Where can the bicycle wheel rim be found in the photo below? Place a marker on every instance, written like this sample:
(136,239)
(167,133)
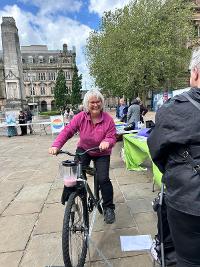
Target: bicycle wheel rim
(75,231)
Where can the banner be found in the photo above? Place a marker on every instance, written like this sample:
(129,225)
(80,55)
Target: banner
(57,124)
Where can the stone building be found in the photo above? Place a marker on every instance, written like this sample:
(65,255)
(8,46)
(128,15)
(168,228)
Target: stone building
(40,68)
(28,73)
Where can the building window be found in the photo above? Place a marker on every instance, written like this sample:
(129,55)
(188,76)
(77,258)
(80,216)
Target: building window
(66,60)
(67,75)
(52,90)
(30,59)
(51,59)
(41,59)
(42,76)
(42,90)
(32,91)
(52,76)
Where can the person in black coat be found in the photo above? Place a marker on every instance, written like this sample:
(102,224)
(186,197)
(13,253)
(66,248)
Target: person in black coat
(22,120)
(29,117)
(177,131)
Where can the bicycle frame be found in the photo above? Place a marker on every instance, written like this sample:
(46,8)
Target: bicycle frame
(82,178)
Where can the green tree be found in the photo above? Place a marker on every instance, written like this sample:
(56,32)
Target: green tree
(76,88)
(60,91)
(141,47)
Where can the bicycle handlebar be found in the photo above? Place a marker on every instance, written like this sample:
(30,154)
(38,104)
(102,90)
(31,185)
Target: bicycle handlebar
(78,154)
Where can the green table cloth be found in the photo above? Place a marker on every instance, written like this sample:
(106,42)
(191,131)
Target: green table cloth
(136,152)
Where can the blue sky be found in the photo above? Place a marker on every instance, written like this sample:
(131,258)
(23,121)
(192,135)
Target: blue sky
(54,22)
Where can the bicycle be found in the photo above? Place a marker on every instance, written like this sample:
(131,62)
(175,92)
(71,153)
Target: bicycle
(80,203)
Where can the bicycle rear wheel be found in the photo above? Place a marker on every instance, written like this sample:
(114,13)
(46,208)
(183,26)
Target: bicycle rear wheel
(75,231)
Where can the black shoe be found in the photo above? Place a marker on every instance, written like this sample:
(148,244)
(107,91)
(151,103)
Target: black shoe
(109,215)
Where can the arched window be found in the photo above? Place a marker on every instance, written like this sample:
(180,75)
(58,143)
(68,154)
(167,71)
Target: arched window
(51,59)
(41,59)
(30,59)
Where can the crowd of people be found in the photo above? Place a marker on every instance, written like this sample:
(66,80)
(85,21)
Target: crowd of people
(132,114)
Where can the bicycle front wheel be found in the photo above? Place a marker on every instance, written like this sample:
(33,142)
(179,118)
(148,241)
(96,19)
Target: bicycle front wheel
(75,231)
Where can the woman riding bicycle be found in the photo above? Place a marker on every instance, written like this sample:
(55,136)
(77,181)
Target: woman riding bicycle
(96,129)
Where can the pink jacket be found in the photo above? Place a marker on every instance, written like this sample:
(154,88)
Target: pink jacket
(90,135)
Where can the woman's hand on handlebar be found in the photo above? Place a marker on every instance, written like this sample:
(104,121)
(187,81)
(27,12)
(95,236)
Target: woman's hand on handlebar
(104,145)
(53,150)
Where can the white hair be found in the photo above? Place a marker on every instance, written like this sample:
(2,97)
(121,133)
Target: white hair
(92,92)
(195,60)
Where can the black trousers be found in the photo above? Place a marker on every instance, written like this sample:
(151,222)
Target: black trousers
(102,165)
(185,231)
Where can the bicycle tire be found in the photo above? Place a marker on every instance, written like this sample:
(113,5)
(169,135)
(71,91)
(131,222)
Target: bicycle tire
(72,228)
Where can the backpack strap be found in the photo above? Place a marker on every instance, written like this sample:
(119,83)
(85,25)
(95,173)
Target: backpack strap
(194,102)
(184,153)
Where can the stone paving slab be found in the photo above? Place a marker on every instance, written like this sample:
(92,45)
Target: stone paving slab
(124,219)
(109,243)
(138,205)
(6,199)
(43,251)
(33,193)
(136,177)
(139,190)
(50,220)
(136,261)
(17,208)
(15,231)
(11,259)
(146,223)
(55,195)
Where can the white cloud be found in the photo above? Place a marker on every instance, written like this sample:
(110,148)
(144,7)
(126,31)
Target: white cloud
(99,7)
(52,31)
(53,6)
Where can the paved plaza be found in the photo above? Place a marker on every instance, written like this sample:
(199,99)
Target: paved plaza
(31,213)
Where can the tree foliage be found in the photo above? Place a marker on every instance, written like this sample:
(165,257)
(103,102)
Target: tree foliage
(76,88)
(60,91)
(140,47)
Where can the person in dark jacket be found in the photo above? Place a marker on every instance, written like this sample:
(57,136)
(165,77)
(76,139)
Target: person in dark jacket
(143,109)
(122,110)
(22,120)
(177,131)
(29,120)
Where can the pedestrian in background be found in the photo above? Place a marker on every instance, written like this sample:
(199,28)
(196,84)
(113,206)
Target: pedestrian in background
(29,117)
(11,122)
(133,116)
(22,120)
(143,109)
(121,110)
